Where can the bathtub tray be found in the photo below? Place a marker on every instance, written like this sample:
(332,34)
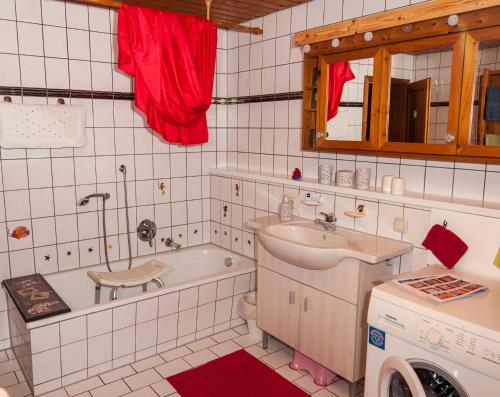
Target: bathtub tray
(34,297)
(130,278)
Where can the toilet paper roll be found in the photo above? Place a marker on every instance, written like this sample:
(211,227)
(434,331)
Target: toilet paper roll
(387,183)
(398,186)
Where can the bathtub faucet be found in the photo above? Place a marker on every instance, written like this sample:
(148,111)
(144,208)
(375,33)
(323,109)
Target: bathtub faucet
(169,242)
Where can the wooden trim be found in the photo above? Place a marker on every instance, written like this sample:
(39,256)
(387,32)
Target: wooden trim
(401,16)
(469,75)
(457,43)
(220,24)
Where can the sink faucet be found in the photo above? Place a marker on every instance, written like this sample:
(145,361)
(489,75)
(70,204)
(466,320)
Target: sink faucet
(329,222)
(169,242)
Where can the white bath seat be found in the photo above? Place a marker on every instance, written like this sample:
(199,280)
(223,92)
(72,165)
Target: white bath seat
(130,278)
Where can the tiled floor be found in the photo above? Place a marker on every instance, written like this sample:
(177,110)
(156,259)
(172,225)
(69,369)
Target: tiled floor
(146,378)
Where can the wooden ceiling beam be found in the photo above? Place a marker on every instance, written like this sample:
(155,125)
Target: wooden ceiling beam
(397,17)
(226,23)
(199,9)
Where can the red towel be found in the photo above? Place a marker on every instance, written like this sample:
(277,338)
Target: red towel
(172,59)
(339,74)
(445,245)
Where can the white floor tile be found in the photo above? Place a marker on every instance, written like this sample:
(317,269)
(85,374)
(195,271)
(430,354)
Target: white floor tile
(84,386)
(256,351)
(115,389)
(199,358)
(288,373)
(147,363)
(340,388)
(57,393)
(201,344)
(163,388)
(19,390)
(246,340)
(116,374)
(242,329)
(175,353)
(173,367)
(8,379)
(307,383)
(142,379)
(277,359)
(145,392)
(225,348)
(324,393)
(225,335)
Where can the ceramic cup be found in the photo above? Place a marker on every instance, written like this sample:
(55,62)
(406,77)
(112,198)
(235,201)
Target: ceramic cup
(363,178)
(387,183)
(325,174)
(345,178)
(398,186)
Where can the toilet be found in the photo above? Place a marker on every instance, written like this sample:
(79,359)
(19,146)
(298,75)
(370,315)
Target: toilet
(247,309)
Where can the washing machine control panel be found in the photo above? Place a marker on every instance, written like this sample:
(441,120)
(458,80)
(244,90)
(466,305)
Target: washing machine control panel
(461,346)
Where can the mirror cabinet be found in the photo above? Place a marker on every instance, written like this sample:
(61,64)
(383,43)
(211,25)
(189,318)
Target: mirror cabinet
(408,94)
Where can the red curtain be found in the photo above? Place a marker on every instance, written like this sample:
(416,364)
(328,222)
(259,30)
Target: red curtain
(339,74)
(172,59)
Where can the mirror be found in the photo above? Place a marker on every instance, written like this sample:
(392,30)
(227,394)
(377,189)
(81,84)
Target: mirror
(420,96)
(485,121)
(348,104)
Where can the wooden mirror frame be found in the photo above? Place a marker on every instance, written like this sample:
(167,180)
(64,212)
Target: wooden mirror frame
(457,43)
(473,39)
(321,120)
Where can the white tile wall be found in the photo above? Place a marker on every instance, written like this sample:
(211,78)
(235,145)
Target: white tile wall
(275,145)
(54,44)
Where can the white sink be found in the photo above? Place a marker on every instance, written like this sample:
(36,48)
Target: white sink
(307,244)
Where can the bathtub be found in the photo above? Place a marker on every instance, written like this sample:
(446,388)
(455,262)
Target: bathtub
(199,298)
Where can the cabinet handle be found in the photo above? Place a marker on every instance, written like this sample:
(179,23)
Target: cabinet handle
(291,297)
(305,304)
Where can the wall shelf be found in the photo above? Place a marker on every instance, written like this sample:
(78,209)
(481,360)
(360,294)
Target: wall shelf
(411,198)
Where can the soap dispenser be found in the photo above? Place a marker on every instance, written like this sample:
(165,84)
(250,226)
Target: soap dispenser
(286,209)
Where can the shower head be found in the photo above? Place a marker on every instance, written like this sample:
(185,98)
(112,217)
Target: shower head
(84,201)
(123,169)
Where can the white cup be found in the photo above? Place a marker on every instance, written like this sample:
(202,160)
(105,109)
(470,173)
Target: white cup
(363,178)
(325,174)
(398,186)
(387,183)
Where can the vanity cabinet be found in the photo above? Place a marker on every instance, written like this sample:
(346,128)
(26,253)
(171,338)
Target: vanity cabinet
(281,313)
(321,313)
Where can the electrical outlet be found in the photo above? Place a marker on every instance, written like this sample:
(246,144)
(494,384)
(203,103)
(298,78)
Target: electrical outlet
(400,224)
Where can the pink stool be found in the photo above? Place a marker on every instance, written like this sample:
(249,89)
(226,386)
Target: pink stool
(322,376)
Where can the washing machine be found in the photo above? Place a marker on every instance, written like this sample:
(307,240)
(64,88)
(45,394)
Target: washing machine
(420,348)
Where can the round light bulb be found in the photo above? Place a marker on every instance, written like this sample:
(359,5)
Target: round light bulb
(335,43)
(407,28)
(306,48)
(453,20)
(368,36)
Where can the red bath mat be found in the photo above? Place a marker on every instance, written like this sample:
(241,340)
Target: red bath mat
(238,374)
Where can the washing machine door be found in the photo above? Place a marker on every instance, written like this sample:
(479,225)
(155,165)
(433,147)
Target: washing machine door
(401,378)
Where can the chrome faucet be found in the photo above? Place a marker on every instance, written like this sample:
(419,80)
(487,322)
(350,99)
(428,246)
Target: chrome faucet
(169,242)
(329,222)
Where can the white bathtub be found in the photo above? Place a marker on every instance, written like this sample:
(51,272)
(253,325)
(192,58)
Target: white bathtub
(199,299)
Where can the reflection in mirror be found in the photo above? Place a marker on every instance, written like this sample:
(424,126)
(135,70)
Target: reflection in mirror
(419,96)
(485,123)
(349,100)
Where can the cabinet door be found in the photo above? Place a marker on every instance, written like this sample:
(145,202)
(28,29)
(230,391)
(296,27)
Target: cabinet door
(328,331)
(278,306)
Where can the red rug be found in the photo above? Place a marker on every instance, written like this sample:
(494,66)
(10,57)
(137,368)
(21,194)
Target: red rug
(238,374)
